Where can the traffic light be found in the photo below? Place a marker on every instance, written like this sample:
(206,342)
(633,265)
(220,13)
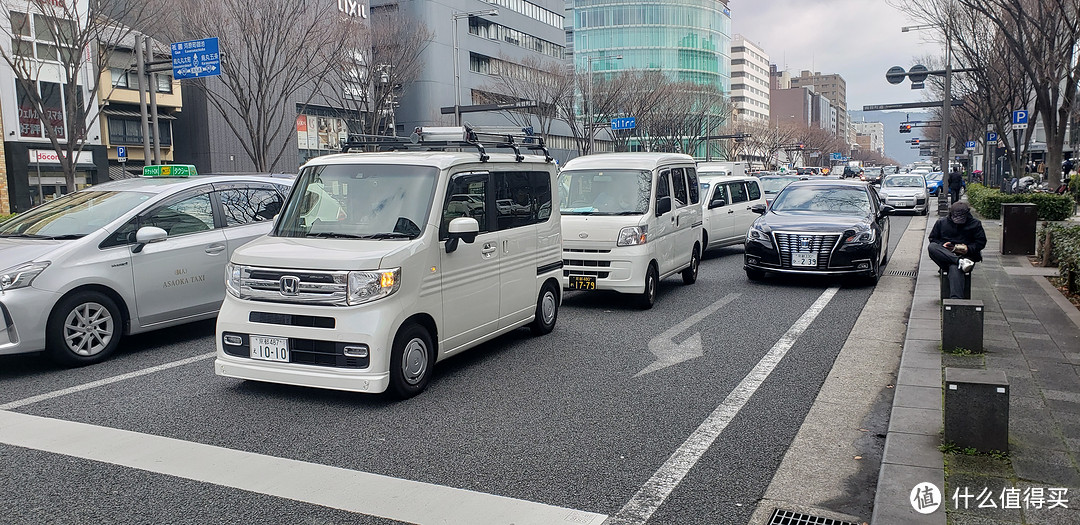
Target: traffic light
(905,128)
(915,142)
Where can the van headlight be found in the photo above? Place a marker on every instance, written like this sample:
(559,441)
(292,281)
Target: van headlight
(633,235)
(365,287)
(21,276)
(233,275)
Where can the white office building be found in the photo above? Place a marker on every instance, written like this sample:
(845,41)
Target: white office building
(749,80)
(874,133)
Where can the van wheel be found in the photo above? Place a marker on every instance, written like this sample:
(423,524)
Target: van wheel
(755,275)
(547,310)
(652,279)
(411,361)
(689,275)
(83,329)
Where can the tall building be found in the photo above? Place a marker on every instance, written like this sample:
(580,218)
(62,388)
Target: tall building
(792,106)
(689,40)
(832,87)
(870,136)
(750,80)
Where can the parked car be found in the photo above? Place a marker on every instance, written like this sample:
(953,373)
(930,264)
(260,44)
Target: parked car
(820,227)
(934,183)
(771,185)
(371,302)
(726,209)
(905,192)
(630,220)
(125,257)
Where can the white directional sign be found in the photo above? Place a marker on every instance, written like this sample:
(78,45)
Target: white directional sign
(1020,119)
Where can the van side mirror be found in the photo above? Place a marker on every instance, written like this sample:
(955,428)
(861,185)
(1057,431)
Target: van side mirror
(663,205)
(461,228)
(147,235)
(758,209)
(717,202)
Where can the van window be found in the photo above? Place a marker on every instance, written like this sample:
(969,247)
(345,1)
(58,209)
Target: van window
(692,184)
(719,193)
(604,192)
(522,198)
(467,197)
(662,186)
(737,191)
(678,184)
(753,190)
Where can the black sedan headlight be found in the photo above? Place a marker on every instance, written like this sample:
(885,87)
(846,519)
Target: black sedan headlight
(759,233)
(863,235)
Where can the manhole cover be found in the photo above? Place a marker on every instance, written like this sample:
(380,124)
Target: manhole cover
(786,517)
(902,273)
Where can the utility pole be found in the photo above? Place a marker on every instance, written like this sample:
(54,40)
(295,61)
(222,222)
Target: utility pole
(149,57)
(140,61)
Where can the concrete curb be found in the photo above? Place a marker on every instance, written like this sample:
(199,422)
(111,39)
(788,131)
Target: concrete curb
(911,445)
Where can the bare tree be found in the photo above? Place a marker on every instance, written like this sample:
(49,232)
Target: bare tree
(54,45)
(643,91)
(379,64)
(767,141)
(273,51)
(547,83)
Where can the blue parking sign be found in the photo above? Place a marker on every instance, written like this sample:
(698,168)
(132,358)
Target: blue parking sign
(121,153)
(991,137)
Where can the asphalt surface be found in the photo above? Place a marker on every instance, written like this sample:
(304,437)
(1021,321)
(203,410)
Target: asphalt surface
(558,419)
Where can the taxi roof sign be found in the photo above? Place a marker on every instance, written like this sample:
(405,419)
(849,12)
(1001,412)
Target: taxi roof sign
(170,170)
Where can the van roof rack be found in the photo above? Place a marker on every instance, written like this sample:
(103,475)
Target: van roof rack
(446,137)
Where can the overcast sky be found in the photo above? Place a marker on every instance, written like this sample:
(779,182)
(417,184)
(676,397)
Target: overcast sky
(859,39)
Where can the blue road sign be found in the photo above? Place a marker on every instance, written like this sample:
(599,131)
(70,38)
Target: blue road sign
(970,144)
(121,153)
(836,156)
(623,123)
(196,58)
(1020,116)
(991,137)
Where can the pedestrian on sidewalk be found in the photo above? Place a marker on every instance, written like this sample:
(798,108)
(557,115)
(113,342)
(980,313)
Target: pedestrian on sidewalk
(956,181)
(956,243)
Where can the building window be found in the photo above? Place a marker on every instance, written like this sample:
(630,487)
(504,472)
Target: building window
(127,79)
(129,132)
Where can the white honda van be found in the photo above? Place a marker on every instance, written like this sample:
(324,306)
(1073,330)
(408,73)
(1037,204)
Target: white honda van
(630,220)
(407,273)
(726,205)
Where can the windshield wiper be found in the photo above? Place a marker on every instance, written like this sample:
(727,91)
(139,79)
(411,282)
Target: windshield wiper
(387,235)
(628,213)
(336,235)
(26,235)
(65,237)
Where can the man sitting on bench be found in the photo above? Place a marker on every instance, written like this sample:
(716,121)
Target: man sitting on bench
(956,243)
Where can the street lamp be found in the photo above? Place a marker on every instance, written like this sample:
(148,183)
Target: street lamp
(457,78)
(946,106)
(589,113)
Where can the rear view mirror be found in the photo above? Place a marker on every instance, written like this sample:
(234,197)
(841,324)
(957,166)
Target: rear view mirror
(461,228)
(663,205)
(717,202)
(758,209)
(147,235)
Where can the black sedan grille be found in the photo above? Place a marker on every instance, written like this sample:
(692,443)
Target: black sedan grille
(822,245)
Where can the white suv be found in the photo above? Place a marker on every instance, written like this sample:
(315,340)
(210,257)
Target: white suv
(409,272)
(726,205)
(630,219)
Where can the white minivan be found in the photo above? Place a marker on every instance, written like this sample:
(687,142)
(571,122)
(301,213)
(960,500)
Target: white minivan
(630,220)
(727,207)
(408,274)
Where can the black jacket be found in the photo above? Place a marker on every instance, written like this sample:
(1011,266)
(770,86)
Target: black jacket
(956,180)
(970,233)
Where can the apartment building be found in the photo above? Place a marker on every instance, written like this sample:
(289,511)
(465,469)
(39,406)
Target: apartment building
(750,80)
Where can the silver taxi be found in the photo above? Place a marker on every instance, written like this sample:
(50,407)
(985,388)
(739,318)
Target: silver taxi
(124,257)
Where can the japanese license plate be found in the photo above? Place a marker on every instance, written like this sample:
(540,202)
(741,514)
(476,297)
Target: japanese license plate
(266,348)
(803,259)
(582,282)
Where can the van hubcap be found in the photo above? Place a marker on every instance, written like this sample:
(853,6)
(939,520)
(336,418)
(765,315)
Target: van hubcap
(88,329)
(547,308)
(414,361)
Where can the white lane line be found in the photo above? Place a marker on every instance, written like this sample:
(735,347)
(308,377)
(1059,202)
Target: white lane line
(349,490)
(655,491)
(102,382)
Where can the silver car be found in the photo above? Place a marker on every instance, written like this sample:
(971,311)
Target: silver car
(906,191)
(79,272)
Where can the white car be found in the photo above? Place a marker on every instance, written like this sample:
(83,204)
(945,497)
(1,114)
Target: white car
(406,277)
(630,220)
(124,257)
(726,208)
(906,191)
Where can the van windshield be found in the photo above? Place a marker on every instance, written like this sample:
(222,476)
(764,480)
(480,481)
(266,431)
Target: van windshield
(604,192)
(359,201)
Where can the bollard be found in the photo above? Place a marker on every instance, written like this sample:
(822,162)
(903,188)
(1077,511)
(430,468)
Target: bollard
(943,278)
(961,325)
(977,409)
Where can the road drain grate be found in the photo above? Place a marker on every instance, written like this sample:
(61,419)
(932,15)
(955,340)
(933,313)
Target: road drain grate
(786,517)
(903,273)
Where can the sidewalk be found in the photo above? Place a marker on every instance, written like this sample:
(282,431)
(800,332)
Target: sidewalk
(1032,334)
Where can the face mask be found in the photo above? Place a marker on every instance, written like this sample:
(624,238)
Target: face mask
(958,217)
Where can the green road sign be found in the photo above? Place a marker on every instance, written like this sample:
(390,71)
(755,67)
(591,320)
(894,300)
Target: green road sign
(171,170)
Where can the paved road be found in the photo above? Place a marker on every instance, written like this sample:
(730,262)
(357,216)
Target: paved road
(563,420)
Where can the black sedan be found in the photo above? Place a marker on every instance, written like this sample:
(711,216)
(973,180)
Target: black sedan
(820,227)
